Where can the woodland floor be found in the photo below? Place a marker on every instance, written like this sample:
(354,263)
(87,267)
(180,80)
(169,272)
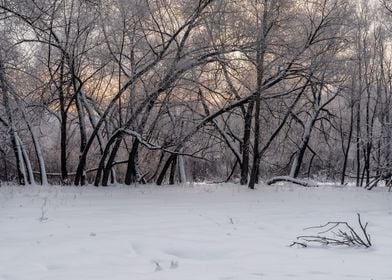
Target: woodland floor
(198,232)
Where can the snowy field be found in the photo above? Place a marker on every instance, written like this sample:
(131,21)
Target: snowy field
(184,233)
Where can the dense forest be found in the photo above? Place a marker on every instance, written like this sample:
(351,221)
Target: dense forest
(167,91)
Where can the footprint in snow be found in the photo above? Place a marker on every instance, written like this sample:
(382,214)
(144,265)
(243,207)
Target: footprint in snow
(258,274)
(195,254)
(158,266)
(137,248)
(173,264)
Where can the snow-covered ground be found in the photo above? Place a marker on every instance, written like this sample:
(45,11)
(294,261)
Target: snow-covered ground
(183,233)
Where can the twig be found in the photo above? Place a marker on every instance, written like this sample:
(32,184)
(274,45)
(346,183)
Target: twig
(345,235)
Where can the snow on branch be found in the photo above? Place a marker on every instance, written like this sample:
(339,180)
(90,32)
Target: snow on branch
(278,179)
(151,146)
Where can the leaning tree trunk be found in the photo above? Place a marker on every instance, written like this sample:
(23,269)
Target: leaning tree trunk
(149,104)
(12,131)
(27,163)
(165,168)
(101,166)
(133,158)
(93,122)
(109,164)
(173,171)
(298,159)
(131,174)
(37,146)
(40,158)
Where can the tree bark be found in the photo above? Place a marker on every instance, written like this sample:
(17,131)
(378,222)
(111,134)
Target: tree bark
(246,143)
(13,134)
(131,173)
(347,150)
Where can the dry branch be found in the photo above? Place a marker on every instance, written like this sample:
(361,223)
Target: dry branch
(291,180)
(337,233)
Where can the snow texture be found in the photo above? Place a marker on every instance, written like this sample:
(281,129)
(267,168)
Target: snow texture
(198,232)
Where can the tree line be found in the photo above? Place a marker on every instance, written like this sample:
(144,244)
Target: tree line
(169,91)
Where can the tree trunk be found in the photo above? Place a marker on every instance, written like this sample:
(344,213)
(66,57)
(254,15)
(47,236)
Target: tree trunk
(181,167)
(105,153)
(358,143)
(27,163)
(246,144)
(165,168)
(131,174)
(13,135)
(173,171)
(63,126)
(82,126)
(298,158)
(109,164)
(347,150)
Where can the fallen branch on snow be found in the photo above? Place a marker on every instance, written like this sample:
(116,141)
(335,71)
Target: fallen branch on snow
(340,234)
(291,180)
